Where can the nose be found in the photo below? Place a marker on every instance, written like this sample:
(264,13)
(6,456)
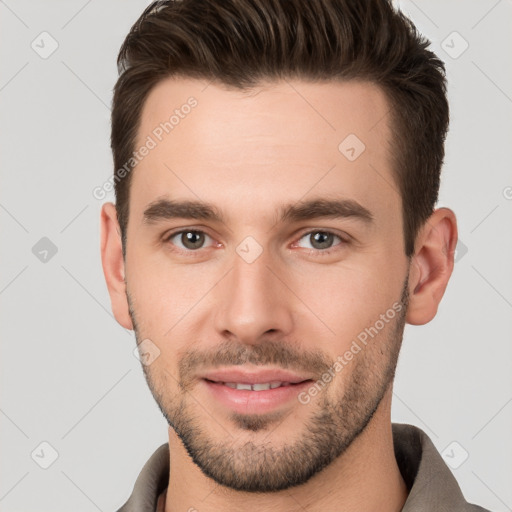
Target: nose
(253,300)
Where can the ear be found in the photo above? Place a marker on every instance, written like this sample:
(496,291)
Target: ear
(431,266)
(113,264)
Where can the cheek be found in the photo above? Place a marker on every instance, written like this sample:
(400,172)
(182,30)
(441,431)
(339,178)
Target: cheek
(348,299)
(164,293)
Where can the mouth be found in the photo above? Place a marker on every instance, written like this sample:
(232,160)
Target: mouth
(260,386)
(268,378)
(257,393)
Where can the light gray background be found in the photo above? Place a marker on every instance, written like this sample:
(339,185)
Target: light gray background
(68,373)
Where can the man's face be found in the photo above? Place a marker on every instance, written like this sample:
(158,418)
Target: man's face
(254,291)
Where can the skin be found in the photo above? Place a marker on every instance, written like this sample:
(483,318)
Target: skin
(294,306)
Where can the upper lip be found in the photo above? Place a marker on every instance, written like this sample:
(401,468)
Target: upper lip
(240,375)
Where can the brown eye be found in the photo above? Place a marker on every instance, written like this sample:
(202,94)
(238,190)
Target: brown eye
(188,240)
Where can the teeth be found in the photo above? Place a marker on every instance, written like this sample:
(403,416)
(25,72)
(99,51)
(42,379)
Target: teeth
(243,386)
(260,387)
(255,387)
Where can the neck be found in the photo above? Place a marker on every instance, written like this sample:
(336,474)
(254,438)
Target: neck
(365,477)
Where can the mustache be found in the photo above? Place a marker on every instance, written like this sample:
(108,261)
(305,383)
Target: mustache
(264,353)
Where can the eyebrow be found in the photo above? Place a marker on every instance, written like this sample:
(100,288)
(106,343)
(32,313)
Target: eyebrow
(165,209)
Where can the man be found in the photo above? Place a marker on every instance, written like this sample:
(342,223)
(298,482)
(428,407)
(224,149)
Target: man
(276,168)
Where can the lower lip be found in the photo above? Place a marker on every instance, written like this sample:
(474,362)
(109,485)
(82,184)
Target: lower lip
(244,401)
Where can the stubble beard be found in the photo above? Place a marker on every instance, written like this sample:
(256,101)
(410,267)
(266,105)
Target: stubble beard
(261,467)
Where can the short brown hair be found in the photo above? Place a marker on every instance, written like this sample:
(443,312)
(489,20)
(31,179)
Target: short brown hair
(241,43)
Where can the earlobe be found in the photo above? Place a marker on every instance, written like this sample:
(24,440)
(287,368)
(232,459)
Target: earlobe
(431,266)
(113,264)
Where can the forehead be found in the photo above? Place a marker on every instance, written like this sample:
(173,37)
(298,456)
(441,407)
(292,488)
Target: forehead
(280,141)
(324,109)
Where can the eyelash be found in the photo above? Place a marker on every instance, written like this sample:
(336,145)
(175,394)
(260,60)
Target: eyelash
(314,252)
(324,252)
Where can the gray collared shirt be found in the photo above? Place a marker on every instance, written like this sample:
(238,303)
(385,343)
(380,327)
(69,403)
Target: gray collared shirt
(432,487)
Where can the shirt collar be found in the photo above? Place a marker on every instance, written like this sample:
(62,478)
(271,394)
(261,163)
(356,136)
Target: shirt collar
(431,485)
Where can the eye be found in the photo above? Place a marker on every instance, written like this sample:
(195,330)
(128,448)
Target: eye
(322,241)
(188,240)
